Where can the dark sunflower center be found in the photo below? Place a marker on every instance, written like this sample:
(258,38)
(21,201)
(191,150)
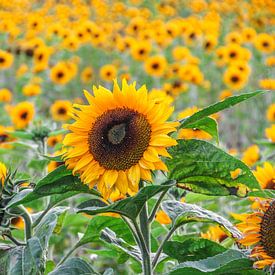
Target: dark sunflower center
(265,44)
(24,115)
(267,230)
(234,78)
(62,111)
(270,184)
(155,66)
(2,60)
(60,74)
(3,138)
(119,138)
(232,54)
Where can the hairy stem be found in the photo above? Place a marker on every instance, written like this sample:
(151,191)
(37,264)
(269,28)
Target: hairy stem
(156,207)
(28,222)
(169,234)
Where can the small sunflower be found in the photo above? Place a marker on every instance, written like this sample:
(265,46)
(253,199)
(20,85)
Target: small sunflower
(6,60)
(162,217)
(22,114)
(60,74)
(87,74)
(31,89)
(264,43)
(155,65)
(60,110)
(54,140)
(118,138)
(259,231)
(108,72)
(270,133)
(5,95)
(3,172)
(5,137)
(266,176)
(270,113)
(251,155)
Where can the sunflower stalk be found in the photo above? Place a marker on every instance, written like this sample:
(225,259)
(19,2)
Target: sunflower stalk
(28,222)
(156,206)
(145,230)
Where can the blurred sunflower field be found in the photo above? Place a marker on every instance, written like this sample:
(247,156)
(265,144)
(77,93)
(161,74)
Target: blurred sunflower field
(111,158)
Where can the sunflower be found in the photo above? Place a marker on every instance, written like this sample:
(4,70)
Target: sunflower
(5,95)
(6,59)
(259,231)
(225,94)
(251,155)
(270,113)
(3,172)
(60,74)
(5,137)
(140,50)
(31,89)
(266,175)
(155,65)
(180,53)
(264,43)
(248,34)
(54,140)
(234,78)
(270,133)
(117,139)
(108,72)
(22,114)
(87,74)
(60,110)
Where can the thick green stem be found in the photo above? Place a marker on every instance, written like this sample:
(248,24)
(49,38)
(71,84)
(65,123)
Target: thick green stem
(15,241)
(28,222)
(146,259)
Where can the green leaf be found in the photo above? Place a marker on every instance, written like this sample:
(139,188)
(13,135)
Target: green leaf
(219,106)
(182,213)
(265,193)
(98,223)
(229,262)
(38,164)
(203,168)
(110,237)
(54,158)
(50,265)
(73,266)
(192,249)
(22,135)
(195,197)
(60,183)
(129,207)
(58,132)
(206,124)
(47,225)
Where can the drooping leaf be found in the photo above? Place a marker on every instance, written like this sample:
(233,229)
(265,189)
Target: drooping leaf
(206,124)
(74,266)
(110,237)
(182,213)
(192,249)
(219,106)
(203,168)
(229,262)
(47,225)
(129,207)
(57,183)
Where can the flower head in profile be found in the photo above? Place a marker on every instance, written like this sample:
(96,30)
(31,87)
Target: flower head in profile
(118,138)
